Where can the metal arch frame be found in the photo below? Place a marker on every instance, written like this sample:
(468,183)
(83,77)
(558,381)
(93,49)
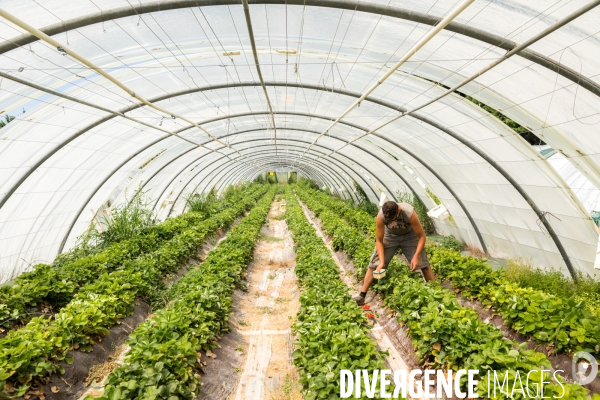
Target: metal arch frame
(312,87)
(334,181)
(352,5)
(344,164)
(304,168)
(413,155)
(251,148)
(322,177)
(337,179)
(290,129)
(237,177)
(187,151)
(358,146)
(332,171)
(540,214)
(335,173)
(338,184)
(183,170)
(223,180)
(341,165)
(115,170)
(241,176)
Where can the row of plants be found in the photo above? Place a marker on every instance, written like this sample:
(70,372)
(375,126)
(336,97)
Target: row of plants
(564,324)
(586,289)
(38,348)
(561,322)
(55,285)
(444,334)
(332,332)
(164,359)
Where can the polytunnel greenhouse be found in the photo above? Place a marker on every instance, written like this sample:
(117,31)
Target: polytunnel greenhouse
(299,199)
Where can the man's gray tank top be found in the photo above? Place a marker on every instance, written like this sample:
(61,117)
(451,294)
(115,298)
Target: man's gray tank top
(401,225)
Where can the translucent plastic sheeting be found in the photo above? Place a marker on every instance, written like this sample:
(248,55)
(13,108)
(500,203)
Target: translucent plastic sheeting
(186,60)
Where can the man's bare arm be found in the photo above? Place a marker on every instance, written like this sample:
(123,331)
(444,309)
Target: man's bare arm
(380,229)
(418,228)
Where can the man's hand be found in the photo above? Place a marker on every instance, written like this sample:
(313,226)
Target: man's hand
(380,267)
(414,263)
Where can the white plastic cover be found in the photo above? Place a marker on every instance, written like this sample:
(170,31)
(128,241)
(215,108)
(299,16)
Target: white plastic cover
(63,161)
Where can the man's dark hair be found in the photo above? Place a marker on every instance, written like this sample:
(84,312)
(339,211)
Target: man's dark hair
(389,210)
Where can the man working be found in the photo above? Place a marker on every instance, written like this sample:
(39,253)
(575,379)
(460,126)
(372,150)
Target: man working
(398,227)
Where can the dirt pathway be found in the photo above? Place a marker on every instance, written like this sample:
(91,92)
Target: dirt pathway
(254,361)
(386,331)
(269,310)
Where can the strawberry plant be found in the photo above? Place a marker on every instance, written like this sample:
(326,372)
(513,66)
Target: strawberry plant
(563,323)
(445,335)
(332,332)
(38,348)
(56,285)
(164,359)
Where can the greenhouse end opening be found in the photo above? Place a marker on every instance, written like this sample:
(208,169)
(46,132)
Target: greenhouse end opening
(299,199)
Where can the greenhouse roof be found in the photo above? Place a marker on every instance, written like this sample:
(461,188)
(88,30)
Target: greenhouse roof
(176,96)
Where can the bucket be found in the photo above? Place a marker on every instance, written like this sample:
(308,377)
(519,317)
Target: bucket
(379,275)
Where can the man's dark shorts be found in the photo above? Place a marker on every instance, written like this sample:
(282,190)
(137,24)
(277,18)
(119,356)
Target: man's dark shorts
(407,243)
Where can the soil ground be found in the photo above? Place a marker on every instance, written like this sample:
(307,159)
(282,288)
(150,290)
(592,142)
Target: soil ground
(254,361)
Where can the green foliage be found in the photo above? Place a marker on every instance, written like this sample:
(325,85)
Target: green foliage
(450,242)
(420,209)
(587,289)
(332,331)
(369,208)
(521,130)
(293,178)
(308,183)
(445,335)
(7,120)
(562,322)
(38,348)
(271,179)
(202,202)
(433,196)
(125,222)
(363,200)
(260,179)
(164,361)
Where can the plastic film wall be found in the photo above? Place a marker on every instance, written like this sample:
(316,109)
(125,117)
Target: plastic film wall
(81,141)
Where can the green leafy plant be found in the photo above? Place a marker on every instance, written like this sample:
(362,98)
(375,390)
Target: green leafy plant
(38,348)
(293,178)
(450,242)
(586,289)
(433,196)
(202,202)
(562,322)
(164,359)
(6,121)
(433,314)
(332,331)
